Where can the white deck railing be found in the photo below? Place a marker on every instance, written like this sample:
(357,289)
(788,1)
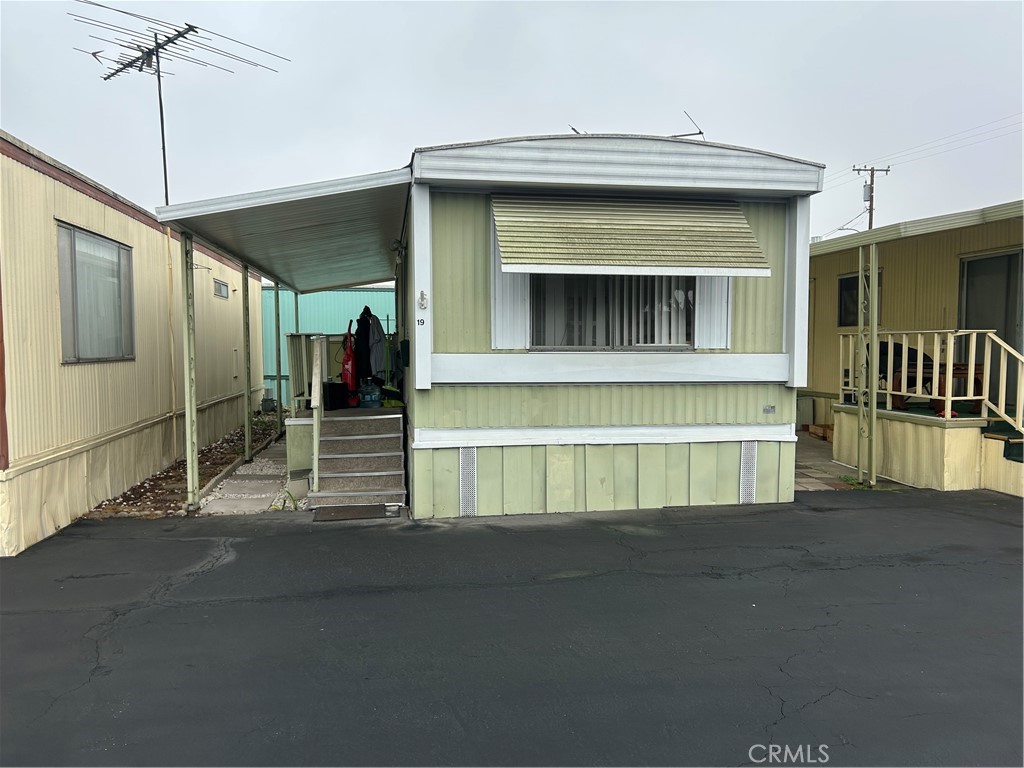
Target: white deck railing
(317,406)
(947,367)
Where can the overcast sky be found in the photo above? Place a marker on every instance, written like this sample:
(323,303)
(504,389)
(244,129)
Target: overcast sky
(839,83)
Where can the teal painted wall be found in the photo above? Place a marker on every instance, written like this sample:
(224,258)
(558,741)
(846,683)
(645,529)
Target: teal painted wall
(323,312)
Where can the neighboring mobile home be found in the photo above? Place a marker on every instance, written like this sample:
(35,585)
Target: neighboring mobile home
(91,375)
(593,321)
(949,287)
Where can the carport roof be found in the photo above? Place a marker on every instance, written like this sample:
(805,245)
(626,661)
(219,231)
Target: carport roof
(311,237)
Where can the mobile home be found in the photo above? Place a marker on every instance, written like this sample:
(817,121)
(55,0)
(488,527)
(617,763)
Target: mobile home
(591,321)
(91,372)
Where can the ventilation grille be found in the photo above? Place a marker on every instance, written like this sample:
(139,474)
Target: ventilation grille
(748,471)
(467,482)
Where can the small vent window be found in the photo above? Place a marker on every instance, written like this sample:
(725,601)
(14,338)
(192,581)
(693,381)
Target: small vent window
(220,289)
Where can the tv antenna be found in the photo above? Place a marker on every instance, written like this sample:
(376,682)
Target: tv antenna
(698,132)
(141,43)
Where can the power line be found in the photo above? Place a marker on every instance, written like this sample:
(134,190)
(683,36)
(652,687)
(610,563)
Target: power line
(933,141)
(832,187)
(844,225)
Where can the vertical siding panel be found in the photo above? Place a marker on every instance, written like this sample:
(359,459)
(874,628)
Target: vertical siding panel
(446,482)
(787,469)
(538,476)
(517,479)
(600,478)
(677,475)
(625,463)
(728,491)
(561,478)
(652,476)
(703,473)
(422,484)
(489,486)
(767,473)
(580,475)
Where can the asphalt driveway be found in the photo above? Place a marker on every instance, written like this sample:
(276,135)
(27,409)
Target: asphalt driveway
(882,626)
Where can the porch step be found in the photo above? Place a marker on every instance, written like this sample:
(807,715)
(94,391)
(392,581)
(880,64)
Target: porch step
(325,499)
(389,442)
(364,482)
(348,426)
(361,462)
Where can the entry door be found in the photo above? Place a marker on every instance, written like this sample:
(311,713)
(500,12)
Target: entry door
(990,297)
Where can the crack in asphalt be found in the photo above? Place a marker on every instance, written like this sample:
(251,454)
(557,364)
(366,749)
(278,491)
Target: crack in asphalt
(223,553)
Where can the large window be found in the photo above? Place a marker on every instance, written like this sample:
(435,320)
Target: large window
(611,311)
(95,297)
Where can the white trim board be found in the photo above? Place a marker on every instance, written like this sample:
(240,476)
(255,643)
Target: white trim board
(422,283)
(427,438)
(633,269)
(607,368)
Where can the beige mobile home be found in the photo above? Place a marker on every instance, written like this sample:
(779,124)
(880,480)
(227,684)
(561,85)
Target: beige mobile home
(949,370)
(91,370)
(593,321)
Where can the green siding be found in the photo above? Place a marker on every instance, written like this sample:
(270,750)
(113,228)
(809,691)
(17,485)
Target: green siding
(577,478)
(603,405)
(460,247)
(758,303)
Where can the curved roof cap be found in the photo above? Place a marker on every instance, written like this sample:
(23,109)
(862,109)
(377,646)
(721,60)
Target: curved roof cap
(587,136)
(616,162)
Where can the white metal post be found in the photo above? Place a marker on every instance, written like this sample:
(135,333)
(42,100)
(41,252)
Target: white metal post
(277,349)
(247,399)
(188,319)
(873,362)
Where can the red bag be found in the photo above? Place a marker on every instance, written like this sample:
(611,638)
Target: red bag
(348,370)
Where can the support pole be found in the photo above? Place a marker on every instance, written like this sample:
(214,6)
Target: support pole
(277,349)
(292,373)
(873,362)
(188,319)
(246,341)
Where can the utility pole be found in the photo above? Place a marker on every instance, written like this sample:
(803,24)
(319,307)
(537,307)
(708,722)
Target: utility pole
(869,190)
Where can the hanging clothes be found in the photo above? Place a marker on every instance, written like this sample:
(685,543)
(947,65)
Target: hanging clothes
(377,350)
(363,368)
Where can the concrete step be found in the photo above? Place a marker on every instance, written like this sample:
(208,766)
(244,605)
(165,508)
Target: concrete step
(365,482)
(362,462)
(340,446)
(360,425)
(323,499)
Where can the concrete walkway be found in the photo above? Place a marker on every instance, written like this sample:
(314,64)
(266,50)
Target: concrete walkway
(254,487)
(884,627)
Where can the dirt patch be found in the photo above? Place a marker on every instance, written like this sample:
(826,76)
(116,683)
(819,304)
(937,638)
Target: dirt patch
(163,494)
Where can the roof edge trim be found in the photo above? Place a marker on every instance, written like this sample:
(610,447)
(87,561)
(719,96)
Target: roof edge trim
(916,227)
(284,195)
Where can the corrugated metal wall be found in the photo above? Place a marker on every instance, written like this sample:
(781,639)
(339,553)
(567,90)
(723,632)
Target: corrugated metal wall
(322,312)
(603,405)
(56,409)
(571,478)
(920,279)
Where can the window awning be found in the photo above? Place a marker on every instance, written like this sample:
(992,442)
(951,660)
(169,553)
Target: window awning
(571,235)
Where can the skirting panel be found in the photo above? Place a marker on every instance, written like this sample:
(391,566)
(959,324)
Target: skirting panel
(522,479)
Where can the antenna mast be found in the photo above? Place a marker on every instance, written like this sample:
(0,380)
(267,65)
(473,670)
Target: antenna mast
(184,43)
